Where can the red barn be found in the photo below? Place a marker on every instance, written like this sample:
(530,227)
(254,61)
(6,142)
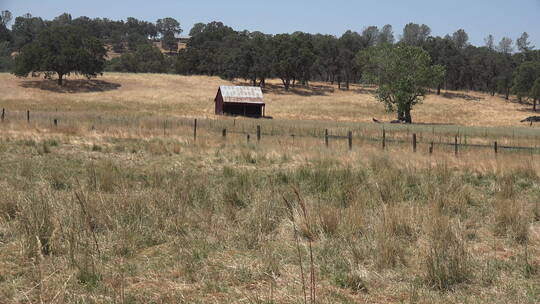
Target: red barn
(244,101)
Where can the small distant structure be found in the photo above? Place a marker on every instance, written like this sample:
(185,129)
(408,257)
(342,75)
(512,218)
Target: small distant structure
(237,100)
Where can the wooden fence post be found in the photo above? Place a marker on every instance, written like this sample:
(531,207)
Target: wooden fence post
(431,148)
(414,142)
(350,140)
(195,130)
(495,147)
(383,138)
(3,113)
(28,115)
(258,133)
(55,121)
(455,145)
(247,138)
(224,133)
(326,137)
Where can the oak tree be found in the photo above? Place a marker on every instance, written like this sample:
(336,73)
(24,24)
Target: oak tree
(61,50)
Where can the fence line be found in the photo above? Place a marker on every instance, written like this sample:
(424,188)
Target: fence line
(251,128)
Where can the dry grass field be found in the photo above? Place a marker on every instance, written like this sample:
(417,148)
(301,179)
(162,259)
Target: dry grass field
(192,96)
(119,203)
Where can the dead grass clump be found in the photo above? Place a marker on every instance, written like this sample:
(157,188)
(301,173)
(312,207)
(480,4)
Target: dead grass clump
(37,222)
(157,147)
(8,202)
(454,198)
(389,250)
(68,129)
(511,219)
(353,281)
(103,176)
(398,222)
(507,186)
(390,187)
(447,260)
(354,221)
(536,210)
(259,220)
(329,219)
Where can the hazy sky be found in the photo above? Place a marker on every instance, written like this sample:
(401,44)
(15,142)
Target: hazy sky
(478,17)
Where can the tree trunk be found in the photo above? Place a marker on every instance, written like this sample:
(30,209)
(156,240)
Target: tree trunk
(408,118)
(439,89)
(534,105)
(401,116)
(286,83)
(262,84)
(347,83)
(254,82)
(507,94)
(60,80)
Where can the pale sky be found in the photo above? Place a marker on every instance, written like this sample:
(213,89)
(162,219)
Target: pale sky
(478,17)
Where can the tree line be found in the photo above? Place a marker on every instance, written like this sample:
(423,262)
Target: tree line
(214,49)
(132,38)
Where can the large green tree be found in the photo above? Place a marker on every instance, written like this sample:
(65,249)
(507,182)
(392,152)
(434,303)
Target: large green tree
(169,28)
(350,43)
(26,29)
(523,44)
(403,75)
(415,34)
(524,80)
(285,59)
(460,38)
(61,50)
(326,49)
(535,90)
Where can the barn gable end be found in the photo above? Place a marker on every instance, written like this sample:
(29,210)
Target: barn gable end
(237,100)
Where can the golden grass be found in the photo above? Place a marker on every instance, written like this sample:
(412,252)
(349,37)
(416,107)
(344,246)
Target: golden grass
(192,96)
(137,212)
(177,221)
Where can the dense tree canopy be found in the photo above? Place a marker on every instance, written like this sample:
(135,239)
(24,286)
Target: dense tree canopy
(526,76)
(61,50)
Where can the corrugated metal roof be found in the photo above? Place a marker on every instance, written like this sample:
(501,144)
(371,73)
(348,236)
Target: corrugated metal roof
(242,94)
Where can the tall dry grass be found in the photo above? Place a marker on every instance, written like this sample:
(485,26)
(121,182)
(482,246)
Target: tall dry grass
(110,208)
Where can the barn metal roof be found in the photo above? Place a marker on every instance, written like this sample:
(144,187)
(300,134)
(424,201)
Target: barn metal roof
(242,94)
